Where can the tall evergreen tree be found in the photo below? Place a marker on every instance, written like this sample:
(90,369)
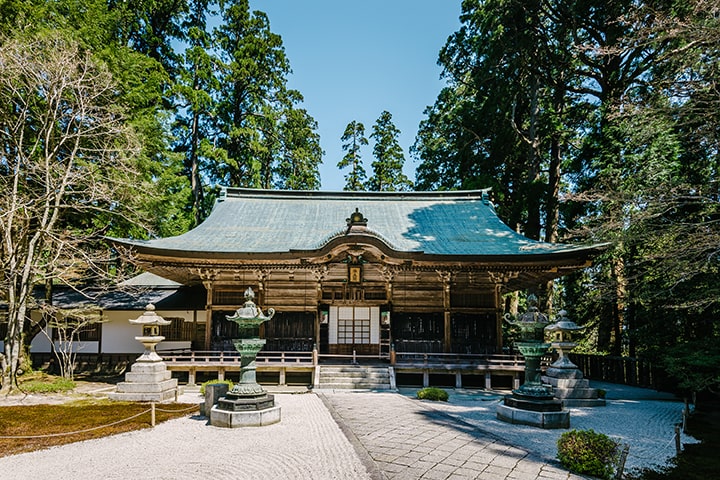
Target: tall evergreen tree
(389,158)
(353,139)
(300,154)
(196,92)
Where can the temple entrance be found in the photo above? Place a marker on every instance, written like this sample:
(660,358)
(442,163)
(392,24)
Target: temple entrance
(354,328)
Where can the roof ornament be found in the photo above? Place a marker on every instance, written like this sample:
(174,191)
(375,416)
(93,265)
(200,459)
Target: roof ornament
(486,196)
(356,218)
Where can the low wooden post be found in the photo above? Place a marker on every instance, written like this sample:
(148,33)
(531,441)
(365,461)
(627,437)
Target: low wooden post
(152,414)
(621,462)
(678,446)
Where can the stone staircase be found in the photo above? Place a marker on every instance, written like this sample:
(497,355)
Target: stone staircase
(354,377)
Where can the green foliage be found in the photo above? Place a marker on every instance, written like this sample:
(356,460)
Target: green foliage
(588,452)
(48,385)
(432,393)
(694,365)
(389,158)
(353,139)
(229,383)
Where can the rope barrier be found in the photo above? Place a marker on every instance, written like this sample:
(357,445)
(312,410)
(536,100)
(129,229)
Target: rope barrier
(50,435)
(194,407)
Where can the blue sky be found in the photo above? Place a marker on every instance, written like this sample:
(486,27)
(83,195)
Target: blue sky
(353,59)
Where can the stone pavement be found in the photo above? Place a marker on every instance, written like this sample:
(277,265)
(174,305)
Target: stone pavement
(400,438)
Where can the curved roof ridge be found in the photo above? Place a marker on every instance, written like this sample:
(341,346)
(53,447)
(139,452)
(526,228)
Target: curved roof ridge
(343,232)
(241,192)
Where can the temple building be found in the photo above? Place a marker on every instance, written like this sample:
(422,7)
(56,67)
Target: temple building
(356,272)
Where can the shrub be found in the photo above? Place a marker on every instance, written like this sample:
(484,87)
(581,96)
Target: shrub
(432,393)
(588,452)
(230,384)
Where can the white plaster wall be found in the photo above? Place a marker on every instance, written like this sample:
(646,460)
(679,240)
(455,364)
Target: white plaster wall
(374,324)
(118,334)
(332,325)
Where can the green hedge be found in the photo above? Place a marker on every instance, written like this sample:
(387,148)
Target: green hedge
(230,384)
(588,452)
(432,393)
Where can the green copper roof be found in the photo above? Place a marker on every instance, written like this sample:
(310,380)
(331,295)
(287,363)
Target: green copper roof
(273,221)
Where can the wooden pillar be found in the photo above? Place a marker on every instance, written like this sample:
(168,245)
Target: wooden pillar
(447,337)
(447,340)
(208,314)
(499,311)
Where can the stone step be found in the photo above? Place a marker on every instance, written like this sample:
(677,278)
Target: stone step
(354,374)
(347,369)
(354,377)
(354,386)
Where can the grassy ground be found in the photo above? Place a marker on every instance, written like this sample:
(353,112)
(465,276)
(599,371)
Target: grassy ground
(83,416)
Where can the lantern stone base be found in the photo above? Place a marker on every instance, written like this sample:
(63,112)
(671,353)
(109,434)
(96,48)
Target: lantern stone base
(146,382)
(242,410)
(514,415)
(236,419)
(574,392)
(543,412)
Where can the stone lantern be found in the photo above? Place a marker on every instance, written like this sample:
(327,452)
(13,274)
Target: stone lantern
(565,377)
(533,403)
(148,380)
(247,404)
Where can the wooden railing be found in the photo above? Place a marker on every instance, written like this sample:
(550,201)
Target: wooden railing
(622,370)
(460,360)
(230,358)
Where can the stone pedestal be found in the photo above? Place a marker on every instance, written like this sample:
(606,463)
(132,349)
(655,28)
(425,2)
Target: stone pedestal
(575,392)
(147,381)
(568,382)
(253,418)
(524,416)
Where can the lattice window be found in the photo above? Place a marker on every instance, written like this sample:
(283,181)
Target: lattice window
(354,326)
